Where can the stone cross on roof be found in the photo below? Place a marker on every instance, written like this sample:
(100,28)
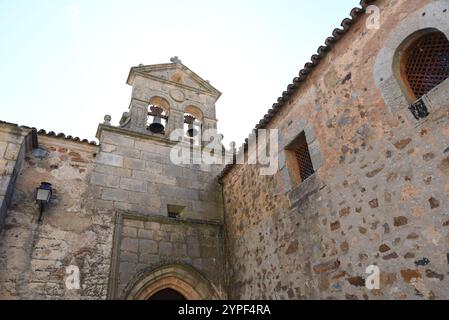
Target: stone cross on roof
(175,59)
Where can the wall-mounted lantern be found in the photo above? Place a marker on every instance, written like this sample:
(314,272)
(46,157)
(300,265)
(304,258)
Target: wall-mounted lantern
(43,196)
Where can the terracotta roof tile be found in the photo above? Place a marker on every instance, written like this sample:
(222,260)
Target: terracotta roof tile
(52,134)
(322,51)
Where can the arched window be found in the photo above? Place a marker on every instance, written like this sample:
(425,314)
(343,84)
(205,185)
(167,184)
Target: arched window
(158,115)
(425,63)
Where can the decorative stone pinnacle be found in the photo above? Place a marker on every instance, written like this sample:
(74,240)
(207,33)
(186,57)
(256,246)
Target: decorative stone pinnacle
(175,59)
(107,119)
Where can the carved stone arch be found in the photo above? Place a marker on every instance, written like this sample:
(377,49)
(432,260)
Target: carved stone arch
(432,17)
(195,111)
(184,279)
(193,104)
(161,103)
(167,103)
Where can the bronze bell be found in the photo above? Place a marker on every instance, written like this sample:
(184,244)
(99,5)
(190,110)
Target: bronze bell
(190,120)
(156,126)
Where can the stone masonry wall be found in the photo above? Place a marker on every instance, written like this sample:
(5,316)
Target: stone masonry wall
(380,196)
(150,242)
(134,177)
(14,143)
(34,257)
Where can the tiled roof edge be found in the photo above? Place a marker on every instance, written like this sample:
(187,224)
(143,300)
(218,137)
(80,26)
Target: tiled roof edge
(303,75)
(53,134)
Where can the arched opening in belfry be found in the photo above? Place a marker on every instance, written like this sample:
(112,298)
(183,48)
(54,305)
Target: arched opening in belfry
(193,124)
(158,112)
(168,294)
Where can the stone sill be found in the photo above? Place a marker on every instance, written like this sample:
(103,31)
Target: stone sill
(167,220)
(304,190)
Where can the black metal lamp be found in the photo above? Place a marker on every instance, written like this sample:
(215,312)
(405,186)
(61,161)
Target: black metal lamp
(43,196)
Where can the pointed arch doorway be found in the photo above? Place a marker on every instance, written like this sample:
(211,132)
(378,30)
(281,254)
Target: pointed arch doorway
(174,282)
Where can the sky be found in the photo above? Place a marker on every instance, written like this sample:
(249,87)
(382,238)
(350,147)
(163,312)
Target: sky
(64,63)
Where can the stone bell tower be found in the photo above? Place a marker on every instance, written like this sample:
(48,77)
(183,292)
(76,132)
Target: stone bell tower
(168,216)
(176,92)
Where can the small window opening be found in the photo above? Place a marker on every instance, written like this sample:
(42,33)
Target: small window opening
(299,160)
(174,211)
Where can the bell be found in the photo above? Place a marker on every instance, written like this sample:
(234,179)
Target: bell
(157,126)
(192,132)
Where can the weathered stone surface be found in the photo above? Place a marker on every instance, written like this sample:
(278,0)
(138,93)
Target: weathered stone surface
(110,159)
(133,185)
(327,267)
(409,275)
(357,281)
(136,164)
(148,247)
(105,180)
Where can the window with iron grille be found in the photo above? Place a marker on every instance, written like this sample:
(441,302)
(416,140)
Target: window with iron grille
(425,63)
(175,211)
(299,158)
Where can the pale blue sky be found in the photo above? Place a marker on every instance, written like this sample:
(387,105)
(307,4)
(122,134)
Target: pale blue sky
(64,63)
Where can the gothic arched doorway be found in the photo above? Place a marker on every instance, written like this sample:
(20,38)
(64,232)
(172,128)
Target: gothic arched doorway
(174,281)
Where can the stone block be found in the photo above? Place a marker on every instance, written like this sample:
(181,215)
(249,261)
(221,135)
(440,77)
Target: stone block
(130,245)
(165,248)
(145,234)
(135,164)
(104,180)
(172,170)
(129,257)
(128,153)
(133,223)
(148,259)
(133,185)
(315,155)
(153,157)
(108,148)
(152,225)
(6,167)
(118,140)
(179,249)
(129,232)
(110,159)
(12,151)
(208,252)
(127,270)
(4,183)
(193,249)
(180,193)
(310,134)
(114,195)
(3,146)
(144,199)
(114,171)
(148,247)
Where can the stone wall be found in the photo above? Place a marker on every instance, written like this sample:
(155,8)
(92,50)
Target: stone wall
(14,143)
(148,242)
(33,256)
(379,196)
(134,175)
